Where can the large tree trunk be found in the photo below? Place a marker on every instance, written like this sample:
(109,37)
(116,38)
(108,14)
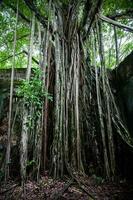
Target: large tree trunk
(67,33)
(70,132)
(67,134)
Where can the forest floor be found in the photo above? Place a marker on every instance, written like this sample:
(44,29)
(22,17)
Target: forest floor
(69,189)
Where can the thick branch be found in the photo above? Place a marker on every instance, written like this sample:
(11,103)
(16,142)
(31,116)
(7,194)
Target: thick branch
(110,21)
(127,13)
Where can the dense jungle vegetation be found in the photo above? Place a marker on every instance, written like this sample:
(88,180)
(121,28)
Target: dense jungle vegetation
(66,93)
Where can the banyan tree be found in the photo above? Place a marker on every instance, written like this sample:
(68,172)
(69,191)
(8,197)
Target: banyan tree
(68,117)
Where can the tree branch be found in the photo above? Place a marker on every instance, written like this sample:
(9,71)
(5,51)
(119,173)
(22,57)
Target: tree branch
(17,54)
(127,13)
(36,61)
(33,8)
(19,13)
(113,22)
(21,37)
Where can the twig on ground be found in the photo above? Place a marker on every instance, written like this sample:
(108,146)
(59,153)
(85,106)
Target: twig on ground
(58,194)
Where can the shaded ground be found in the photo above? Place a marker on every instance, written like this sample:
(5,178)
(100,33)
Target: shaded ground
(49,189)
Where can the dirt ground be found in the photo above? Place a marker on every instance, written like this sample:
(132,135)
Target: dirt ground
(69,189)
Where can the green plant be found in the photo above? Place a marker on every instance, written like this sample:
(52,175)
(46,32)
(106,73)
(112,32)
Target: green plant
(33,94)
(31,163)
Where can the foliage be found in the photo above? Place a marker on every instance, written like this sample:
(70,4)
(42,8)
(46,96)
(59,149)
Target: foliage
(31,163)
(7,18)
(113,6)
(33,93)
(32,90)
(125,45)
(125,39)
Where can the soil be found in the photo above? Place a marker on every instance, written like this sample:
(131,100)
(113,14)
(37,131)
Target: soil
(67,189)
